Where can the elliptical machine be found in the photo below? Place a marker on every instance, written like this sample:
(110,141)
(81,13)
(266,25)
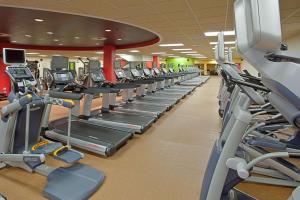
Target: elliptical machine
(20,142)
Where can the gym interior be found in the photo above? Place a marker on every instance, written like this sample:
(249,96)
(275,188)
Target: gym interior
(150,100)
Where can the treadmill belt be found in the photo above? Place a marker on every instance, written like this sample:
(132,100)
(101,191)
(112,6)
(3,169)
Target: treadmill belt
(144,107)
(126,118)
(92,133)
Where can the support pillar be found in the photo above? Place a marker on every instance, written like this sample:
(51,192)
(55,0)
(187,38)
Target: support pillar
(155,61)
(205,69)
(4,78)
(108,62)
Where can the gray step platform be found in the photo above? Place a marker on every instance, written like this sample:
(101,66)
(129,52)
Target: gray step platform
(77,182)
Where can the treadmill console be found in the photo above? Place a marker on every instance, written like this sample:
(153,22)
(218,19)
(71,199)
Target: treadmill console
(156,70)
(21,75)
(97,76)
(165,70)
(135,73)
(63,77)
(147,72)
(120,74)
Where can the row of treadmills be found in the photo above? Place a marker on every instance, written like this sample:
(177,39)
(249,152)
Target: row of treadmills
(129,106)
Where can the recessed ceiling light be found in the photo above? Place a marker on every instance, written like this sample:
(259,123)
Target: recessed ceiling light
(107,30)
(43,55)
(27,35)
(4,34)
(189,52)
(99,38)
(76,37)
(226,42)
(32,53)
(201,57)
(134,51)
(50,33)
(56,40)
(119,39)
(38,20)
(14,41)
(158,53)
(215,33)
(182,49)
(99,52)
(171,45)
(60,44)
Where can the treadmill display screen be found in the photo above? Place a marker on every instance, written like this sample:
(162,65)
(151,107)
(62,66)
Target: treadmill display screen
(156,71)
(135,73)
(165,70)
(14,56)
(63,76)
(120,74)
(97,77)
(147,72)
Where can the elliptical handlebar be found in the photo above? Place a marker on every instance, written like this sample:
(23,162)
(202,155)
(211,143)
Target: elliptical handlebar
(16,105)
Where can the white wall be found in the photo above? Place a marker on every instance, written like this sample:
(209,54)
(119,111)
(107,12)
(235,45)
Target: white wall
(45,63)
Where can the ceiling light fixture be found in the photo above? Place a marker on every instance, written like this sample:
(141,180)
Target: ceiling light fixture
(99,38)
(119,39)
(189,52)
(107,30)
(227,42)
(56,55)
(56,40)
(171,45)
(182,49)
(97,43)
(32,53)
(38,20)
(27,35)
(60,44)
(50,33)
(215,33)
(14,41)
(4,34)
(134,51)
(99,52)
(43,55)
(76,37)
(158,53)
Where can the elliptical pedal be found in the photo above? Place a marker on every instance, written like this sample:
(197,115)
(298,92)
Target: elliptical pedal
(58,151)
(67,155)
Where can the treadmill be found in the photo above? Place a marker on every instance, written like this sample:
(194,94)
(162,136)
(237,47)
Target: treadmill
(129,104)
(147,97)
(151,93)
(170,83)
(135,122)
(101,140)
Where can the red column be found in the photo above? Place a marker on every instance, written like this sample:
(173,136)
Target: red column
(4,78)
(156,61)
(108,62)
